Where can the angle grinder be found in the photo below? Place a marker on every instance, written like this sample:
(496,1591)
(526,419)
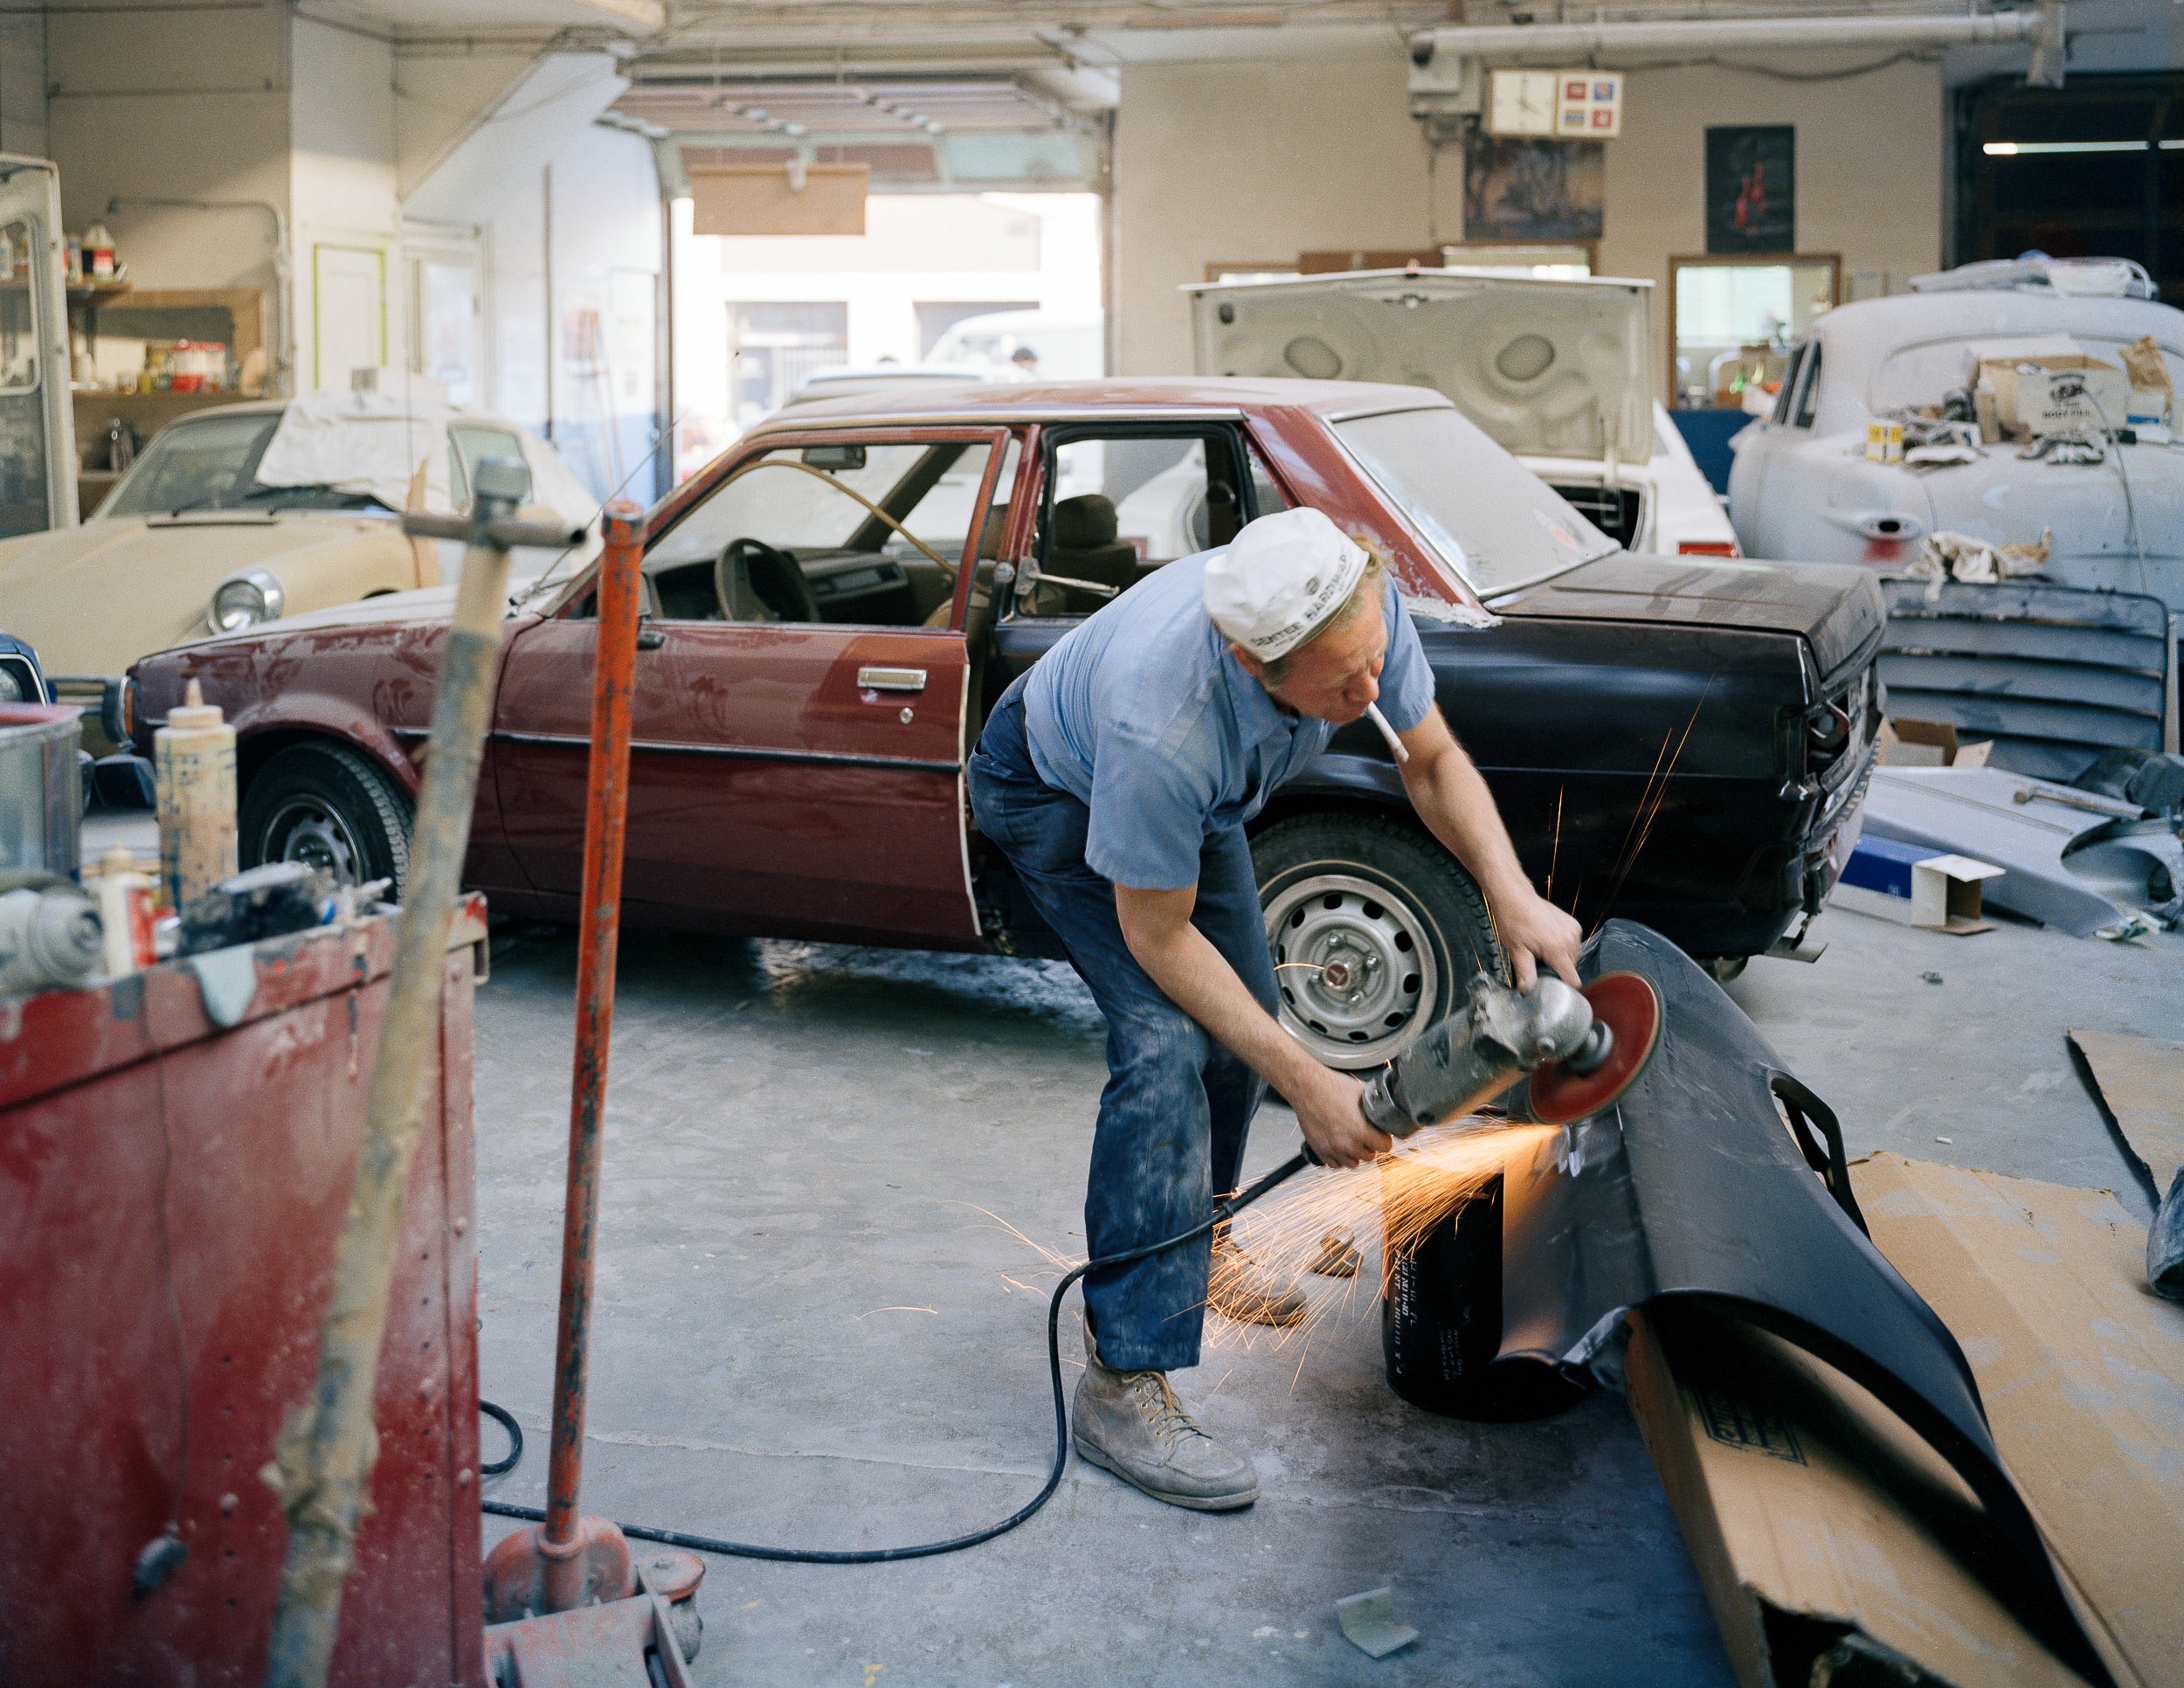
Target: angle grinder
(1581,1049)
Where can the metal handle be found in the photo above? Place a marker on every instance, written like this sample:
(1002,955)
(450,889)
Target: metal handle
(650,637)
(891,680)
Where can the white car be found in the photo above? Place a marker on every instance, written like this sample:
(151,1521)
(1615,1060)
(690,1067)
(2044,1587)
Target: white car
(864,378)
(1558,370)
(1802,488)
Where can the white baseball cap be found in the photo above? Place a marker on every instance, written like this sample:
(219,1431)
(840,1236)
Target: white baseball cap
(1275,584)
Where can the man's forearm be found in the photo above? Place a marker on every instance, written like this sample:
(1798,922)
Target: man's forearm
(1183,962)
(1451,796)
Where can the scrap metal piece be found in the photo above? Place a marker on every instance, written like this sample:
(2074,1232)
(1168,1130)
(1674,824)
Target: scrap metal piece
(2053,675)
(1975,811)
(1368,1622)
(1698,1188)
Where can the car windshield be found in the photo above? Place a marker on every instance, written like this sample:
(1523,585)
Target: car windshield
(1498,525)
(1925,372)
(209,463)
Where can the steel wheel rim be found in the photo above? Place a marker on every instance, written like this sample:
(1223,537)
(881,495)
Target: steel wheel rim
(1354,963)
(314,832)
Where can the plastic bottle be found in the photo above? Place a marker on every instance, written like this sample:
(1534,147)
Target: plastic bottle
(195,757)
(97,253)
(124,910)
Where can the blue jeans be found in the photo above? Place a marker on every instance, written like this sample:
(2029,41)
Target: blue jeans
(1178,1104)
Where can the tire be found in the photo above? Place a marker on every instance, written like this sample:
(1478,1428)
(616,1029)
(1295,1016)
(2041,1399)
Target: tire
(1376,929)
(325,804)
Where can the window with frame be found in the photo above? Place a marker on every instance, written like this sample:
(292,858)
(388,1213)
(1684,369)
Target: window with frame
(1123,503)
(868,534)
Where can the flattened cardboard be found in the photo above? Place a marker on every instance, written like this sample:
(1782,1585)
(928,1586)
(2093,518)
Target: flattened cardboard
(1823,1528)
(2139,1084)
(2082,1371)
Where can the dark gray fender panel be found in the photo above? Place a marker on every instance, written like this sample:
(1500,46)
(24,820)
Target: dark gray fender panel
(1691,1193)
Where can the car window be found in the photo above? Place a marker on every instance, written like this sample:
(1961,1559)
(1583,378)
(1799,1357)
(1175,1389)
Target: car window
(203,464)
(870,535)
(469,443)
(1924,371)
(1491,519)
(1807,405)
(1788,391)
(1125,503)
(1267,495)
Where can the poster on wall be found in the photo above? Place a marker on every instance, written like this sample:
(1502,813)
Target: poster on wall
(1521,189)
(1752,188)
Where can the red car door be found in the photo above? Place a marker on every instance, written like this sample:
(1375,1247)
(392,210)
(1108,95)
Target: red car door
(796,764)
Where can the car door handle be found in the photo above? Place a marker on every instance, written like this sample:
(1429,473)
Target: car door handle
(891,680)
(650,638)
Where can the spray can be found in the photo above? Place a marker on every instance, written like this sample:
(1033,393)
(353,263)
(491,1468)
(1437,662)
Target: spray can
(195,755)
(124,910)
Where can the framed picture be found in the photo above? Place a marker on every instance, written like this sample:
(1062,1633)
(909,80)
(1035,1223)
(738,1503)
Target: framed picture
(1522,190)
(1752,188)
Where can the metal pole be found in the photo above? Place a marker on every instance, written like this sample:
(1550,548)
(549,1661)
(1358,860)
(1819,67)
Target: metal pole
(327,1445)
(598,930)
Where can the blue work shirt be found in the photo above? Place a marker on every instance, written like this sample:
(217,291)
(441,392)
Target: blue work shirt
(1144,714)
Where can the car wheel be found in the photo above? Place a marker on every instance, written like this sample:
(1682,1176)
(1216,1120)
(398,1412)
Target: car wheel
(1375,930)
(328,806)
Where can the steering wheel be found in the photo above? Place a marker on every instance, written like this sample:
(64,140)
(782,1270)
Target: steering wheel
(750,575)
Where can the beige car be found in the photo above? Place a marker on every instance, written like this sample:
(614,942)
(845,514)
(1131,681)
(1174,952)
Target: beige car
(250,512)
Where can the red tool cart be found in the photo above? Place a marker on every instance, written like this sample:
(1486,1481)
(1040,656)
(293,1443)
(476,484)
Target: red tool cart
(175,1153)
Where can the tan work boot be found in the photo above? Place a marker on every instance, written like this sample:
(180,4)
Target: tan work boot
(1131,1424)
(1240,1288)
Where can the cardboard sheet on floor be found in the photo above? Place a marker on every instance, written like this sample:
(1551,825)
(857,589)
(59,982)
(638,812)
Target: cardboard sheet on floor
(1828,1536)
(2082,1371)
(2139,1081)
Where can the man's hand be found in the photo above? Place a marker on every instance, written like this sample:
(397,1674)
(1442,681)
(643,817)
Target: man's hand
(1532,929)
(1331,1113)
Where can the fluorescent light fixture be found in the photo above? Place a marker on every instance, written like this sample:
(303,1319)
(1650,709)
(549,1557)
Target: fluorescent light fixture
(2025,148)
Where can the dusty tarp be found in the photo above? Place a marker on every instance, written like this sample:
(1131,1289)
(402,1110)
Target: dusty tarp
(361,442)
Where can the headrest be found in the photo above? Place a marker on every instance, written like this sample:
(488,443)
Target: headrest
(1084,522)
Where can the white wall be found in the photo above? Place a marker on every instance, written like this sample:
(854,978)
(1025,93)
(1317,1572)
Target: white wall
(1252,161)
(1869,166)
(346,221)
(1242,163)
(180,102)
(22,85)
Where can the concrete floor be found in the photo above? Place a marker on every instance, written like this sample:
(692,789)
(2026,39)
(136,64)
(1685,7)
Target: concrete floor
(808,1334)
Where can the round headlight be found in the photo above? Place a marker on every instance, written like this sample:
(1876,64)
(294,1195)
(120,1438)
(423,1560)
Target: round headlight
(243,600)
(10,684)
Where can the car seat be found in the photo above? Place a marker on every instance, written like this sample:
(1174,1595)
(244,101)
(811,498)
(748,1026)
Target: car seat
(982,577)
(1084,546)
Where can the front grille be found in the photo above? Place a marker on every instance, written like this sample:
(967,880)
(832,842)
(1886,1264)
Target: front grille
(1613,510)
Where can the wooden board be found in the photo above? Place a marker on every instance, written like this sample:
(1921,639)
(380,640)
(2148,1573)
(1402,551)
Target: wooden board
(2139,1084)
(2081,1372)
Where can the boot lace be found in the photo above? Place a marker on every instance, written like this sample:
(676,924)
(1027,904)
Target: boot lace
(1163,1413)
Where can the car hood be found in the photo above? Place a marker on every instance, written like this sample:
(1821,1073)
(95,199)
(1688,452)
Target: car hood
(1549,369)
(94,598)
(1838,610)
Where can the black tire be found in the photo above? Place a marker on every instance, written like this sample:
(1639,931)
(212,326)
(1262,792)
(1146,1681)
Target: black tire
(1368,893)
(325,804)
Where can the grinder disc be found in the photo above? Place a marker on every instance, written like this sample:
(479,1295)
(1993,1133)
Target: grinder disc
(1631,1008)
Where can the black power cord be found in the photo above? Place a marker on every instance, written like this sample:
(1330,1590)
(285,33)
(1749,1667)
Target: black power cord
(1223,1211)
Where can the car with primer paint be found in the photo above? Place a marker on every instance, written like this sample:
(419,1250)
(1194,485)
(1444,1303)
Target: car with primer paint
(832,607)
(1559,369)
(243,513)
(1801,486)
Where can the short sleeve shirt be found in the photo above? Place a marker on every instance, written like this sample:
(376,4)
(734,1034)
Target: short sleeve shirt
(1144,714)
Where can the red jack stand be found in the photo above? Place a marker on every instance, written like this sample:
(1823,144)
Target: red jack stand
(566,1601)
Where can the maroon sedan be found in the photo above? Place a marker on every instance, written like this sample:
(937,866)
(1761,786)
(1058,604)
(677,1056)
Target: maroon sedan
(833,604)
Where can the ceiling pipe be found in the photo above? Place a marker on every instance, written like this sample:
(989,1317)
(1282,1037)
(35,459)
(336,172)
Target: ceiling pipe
(1598,43)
